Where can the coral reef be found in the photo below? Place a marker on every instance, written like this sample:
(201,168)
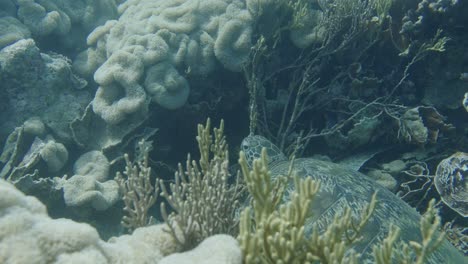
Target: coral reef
(138,193)
(206,180)
(67,21)
(42,85)
(165,42)
(89,185)
(342,221)
(31,157)
(12,30)
(29,235)
(226,248)
(95,88)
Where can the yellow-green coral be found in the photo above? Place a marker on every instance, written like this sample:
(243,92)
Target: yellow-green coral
(274,233)
(271,232)
(412,251)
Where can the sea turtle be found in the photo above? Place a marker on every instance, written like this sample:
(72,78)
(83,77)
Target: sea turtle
(342,188)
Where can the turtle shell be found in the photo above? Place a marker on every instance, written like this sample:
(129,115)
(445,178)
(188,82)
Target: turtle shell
(342,188)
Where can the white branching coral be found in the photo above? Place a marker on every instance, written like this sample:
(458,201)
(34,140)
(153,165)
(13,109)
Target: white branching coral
(139,194)
(203,202)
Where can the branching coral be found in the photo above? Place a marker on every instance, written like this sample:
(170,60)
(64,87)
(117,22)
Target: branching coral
(411,252)
(203,202)
(138,192)
(322,30)
(273,232)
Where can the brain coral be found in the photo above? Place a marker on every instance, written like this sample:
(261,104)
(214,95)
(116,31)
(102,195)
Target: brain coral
(89,185)
(182,36)
(68,21)
(29,235)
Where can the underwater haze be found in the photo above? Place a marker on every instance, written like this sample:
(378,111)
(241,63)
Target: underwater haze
(233,131)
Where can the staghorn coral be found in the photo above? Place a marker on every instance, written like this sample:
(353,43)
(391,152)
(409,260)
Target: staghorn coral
(203,202)
(413,251)
(137,191)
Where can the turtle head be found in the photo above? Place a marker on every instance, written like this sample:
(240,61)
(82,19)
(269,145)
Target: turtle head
(252,148)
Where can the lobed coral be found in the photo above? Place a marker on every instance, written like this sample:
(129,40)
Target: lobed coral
(29,235)
(155,45)
(89,186)
(68,20)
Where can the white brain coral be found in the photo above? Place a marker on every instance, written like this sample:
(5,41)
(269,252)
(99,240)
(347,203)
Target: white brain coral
(89,186)
(42,19)
(166,86)
(29,235)
(233,45)
(92,163)
(186,36)
(119,93)
(55,155)
(12,30)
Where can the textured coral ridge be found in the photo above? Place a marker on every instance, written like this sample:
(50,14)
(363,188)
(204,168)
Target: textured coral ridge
(147,53)
(67,20)
(37,84)
(29,235)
